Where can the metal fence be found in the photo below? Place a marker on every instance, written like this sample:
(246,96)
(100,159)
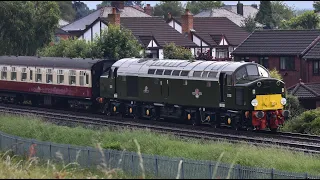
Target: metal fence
(155,166)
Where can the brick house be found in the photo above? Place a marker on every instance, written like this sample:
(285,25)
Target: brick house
(289,51)
(151,32)
(218,35)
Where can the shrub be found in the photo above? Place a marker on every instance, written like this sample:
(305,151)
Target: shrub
(293,105)
(171,51)
(274,73)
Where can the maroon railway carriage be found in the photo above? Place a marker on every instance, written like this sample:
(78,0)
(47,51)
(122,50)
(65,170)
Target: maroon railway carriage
(51,80)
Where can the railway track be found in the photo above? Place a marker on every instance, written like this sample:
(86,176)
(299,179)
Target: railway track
(292,141)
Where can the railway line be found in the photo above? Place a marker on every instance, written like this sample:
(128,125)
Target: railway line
(293,141)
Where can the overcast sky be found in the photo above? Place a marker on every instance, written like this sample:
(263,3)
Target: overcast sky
(295,4)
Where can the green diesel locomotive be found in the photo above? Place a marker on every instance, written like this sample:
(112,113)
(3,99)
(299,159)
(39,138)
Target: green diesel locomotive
(236,94)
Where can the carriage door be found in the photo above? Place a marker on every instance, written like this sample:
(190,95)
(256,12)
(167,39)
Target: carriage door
(222,86)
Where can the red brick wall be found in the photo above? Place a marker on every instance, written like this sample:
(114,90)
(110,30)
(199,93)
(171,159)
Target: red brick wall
(187,23)
(310,76)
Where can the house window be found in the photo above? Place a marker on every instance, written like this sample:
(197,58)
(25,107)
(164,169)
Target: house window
(72,77)
(60,77)
(222,53)
(245,59)
(287,63)
(24,74)
(49,76)
(4,73)
(316,67)
(264,61)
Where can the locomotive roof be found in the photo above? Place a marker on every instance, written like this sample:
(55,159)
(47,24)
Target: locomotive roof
(61,62)
(135,66)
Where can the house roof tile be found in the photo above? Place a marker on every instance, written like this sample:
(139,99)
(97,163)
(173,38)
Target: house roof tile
(277,42)
(305,91)
(314,52)
(248,10)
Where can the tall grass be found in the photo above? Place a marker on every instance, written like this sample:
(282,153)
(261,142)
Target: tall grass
(165,145)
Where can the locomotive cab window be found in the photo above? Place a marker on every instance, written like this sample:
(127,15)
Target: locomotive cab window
(4,73)
(13,74)
(39,75)
(23,74)
(49,76)
(60,77)
(72,77)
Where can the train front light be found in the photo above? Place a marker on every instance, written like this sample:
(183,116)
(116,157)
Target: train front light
(283,101)
(253,91)
(254,102)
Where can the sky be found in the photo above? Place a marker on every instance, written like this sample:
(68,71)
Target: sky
(296,4)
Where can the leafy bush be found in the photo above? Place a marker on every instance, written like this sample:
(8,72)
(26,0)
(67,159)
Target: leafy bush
(274,73)
(171,51)
(293,105)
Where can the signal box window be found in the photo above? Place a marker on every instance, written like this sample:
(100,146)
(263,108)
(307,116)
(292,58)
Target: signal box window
(264,61)
(24,74)
(13,74)
(72,77)
(49,76)
(287,63)
(4,73)
(39,75)
(60,77)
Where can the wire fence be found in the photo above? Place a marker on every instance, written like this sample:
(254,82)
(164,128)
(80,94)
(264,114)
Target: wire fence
(128,162)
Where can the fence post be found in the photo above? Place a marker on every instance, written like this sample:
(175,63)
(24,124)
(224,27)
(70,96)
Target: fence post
(182,170)
(50,151)
(306,176)
(16,145)
(239,171)
(272,173)
(88,162)
(156,166)
(132,164)
(210,170)
(69,154)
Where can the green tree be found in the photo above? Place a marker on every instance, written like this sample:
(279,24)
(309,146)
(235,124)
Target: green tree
(81,9)
(171,51)
(197,6)
(116,43)
(316,6)
(307,20)
(264,15)
(281,11)
(274,73)
(249,24)
(126,3)
(165,7)
(26,26)
(68,13)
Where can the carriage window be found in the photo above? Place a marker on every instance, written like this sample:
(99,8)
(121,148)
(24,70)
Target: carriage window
(49,76)
(151,71)
(39,75)
(167,72)
(13,74)
(87,78)
(60,77)
(72,77)
(159,71)
(4,73)
(184,73)
(82,76)
(197,74)
(176,73)
(31,75)
(205,74)
(24,74)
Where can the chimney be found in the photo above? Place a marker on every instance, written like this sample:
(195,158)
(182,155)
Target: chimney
(148,10)
(114,18)
(240,8)
(117,4)
(187,23)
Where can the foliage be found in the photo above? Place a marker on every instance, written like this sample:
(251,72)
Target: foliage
(171,51)
(126,3)
(307,20)
(249,24)
(274,73)
(162,144)
(68,13)
(26,26)
(293,105)
(264,15)
(281,11)
(204,56)
(316,6)
(197,6)
(116,43)
(165,7)
(81,9)
(307,122)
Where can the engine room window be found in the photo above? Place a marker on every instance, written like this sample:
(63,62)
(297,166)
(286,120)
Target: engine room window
(208,84)
(151,71)
(72,77)
(4,73)
(184,73)
(167,72)
(49,76)
(24,74)
(159,71)
(82,78)
(60,77)
(13,74)
(39,75)
(197,74)
(205,74)
(176,73)
(185,82)
(213,74)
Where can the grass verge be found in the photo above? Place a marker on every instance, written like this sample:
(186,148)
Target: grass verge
(165,145)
